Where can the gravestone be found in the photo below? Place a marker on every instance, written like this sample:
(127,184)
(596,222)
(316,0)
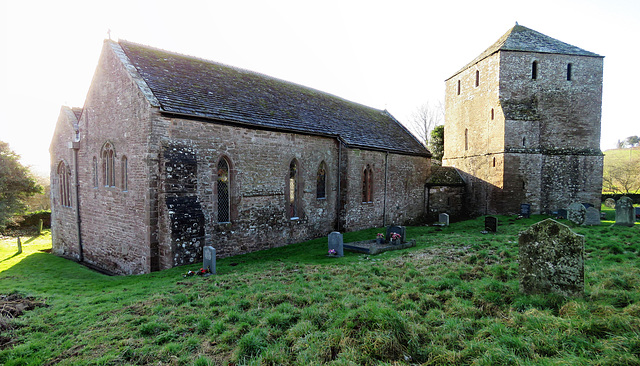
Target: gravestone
(209,259)
(551,260)
(586,205)
(610,202)
(576,213)
(491,224)
(637,213)
(562,213)
(396,229)
(525,210)
(336,243)
(444,219)
(625,214)
(592,216)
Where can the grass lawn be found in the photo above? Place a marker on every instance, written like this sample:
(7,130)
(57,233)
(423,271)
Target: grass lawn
(453,299)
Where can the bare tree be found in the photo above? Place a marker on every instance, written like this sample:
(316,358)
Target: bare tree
(621,176)
(425,118)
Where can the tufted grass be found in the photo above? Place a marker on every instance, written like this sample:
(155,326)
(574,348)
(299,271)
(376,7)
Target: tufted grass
(453,299)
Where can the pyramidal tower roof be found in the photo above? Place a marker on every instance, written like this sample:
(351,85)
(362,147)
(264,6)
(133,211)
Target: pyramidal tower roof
(523,39)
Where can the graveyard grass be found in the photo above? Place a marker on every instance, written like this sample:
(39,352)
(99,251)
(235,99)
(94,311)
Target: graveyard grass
(453,299)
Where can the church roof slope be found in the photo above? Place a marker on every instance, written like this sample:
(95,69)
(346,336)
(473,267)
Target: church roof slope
(523,39)
(200,88)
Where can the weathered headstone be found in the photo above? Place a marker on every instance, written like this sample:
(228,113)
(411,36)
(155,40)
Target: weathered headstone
(491,224)
(525,210)
(586,205)
(401,230)
(576,213)
(637,213)
(209,259)
(444,219)
(562,213)
(625,215)
(551,259)
(19,246)
(592,216)
(336,244)
(610,202)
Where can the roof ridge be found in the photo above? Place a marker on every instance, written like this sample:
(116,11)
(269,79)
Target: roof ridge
(245,70)
(526,43)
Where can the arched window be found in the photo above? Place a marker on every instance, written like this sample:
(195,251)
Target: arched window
(108,165)
(222,186)
(534,70)
(569,67)
(466,139)
(95,172)
(524,141)
(293,201)
(367,184)
(64,184)
(124,169)
(477,78)
(321,188)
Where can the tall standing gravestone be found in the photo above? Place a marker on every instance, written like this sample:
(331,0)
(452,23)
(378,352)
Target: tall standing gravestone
(209,259)
(625,214)
(336,243)
(551,260)
(576,213)
(491,224)
(525,210)
(592,217)
(444,219)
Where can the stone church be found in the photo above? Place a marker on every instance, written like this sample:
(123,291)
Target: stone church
(171,153)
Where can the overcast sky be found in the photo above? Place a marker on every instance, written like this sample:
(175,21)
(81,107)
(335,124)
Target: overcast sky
(384,54)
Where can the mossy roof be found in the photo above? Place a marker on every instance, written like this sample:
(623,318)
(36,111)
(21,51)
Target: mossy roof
(445,176)
(200,88)
(523,39)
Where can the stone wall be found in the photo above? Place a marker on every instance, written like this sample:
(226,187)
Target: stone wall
(63,218)
(115,219)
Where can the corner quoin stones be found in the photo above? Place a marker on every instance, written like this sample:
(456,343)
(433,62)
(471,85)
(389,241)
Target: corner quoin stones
(551,260)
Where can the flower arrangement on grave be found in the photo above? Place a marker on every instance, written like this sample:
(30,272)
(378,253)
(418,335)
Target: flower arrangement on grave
(200,272)
(395,237)
(380,238)
(333,252)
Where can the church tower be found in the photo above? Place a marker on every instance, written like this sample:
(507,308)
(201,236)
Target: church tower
(522,125)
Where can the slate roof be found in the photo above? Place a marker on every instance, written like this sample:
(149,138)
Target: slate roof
(200,88)
(445,176)
(523,39)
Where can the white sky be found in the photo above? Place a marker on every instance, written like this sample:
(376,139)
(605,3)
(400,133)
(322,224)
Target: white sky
(384,54)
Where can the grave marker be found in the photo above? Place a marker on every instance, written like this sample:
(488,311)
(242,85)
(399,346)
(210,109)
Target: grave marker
(209,259)
(592,217)
(396,229)
(625,215)
(562,213)
(444,219)
(610,202)
(491,224)
(576,213)
(525,210)
(336,243)
(551,260)
(637,213)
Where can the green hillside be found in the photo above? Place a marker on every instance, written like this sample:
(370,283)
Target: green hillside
(451,300)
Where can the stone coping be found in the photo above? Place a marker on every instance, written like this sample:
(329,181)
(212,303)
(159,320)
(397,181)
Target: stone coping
(372,247)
